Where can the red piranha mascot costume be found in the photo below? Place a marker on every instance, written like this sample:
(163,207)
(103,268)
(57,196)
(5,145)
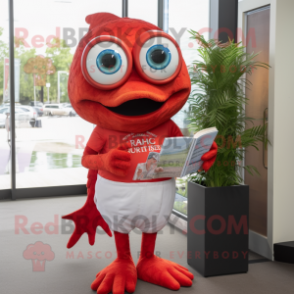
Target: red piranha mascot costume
(129,78)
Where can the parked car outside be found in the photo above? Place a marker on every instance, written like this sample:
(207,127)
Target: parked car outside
(21,116)
(66,104)
(72,112)
(3,111)
(39,110)
(37,104)
(7,105)
(31,111)
(58,109)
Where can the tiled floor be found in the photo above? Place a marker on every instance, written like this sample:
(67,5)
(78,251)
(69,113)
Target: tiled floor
(72,270)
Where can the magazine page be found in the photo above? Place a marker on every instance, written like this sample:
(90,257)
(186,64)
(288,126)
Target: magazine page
(173,156)
(202,144)
(147,170)
(168,163)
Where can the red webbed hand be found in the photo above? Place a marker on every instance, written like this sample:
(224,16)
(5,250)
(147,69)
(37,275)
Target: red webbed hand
(88,217)
(209,157)
(115,161)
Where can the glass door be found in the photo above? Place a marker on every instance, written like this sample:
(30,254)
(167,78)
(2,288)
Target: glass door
(258,21)
(145,10)
(194,14)
(50,136)
(5,150)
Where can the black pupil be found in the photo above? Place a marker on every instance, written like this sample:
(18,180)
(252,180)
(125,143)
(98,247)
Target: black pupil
(108,60)
(158,56)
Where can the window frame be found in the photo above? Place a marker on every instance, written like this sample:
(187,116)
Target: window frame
(21,193)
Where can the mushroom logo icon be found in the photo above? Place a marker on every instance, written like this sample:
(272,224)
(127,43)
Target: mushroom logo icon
(39,253)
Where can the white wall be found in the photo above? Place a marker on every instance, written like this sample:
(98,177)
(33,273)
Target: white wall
(283,123)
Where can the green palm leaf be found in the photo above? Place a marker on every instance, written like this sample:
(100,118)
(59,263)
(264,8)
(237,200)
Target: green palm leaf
(218,100)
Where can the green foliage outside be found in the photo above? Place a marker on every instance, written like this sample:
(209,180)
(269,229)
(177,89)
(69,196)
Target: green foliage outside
(61,58)
(3,53)
(219,101)
(181,207)
(181,184)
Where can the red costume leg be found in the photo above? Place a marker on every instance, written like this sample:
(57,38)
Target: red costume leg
(120,275)
(156,270)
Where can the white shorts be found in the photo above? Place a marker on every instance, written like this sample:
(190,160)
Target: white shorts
(143,205)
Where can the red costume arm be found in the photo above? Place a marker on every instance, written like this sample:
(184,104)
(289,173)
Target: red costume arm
(86,219)
(175,131)
(116,161)
(209,157)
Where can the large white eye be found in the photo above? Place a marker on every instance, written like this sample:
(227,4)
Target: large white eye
(106,62)
(158,57)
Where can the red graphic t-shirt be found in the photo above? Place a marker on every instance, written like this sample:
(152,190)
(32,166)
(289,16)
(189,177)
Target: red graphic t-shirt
(102,140)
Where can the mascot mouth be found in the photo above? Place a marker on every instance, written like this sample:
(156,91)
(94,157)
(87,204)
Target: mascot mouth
(136,107)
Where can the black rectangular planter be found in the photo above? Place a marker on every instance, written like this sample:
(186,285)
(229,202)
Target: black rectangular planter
(284,252)
(218,229)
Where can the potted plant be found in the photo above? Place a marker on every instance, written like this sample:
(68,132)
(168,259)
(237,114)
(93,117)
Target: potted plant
(218,201)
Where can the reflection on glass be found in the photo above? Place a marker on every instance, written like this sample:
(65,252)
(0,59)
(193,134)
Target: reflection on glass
(181,195)
(193,15)
(5,182)
(50,136)
(53,161)
(145,10)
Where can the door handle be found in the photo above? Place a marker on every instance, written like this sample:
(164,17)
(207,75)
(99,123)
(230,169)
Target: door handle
(265,116)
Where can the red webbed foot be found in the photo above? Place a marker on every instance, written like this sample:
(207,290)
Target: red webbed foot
(163,272)
(121,274)
(158,271)
(118,277)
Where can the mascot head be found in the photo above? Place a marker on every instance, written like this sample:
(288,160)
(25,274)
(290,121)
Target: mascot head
(127,75)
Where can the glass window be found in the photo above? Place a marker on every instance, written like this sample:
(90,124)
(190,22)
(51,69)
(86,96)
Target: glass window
(49,145)
(181,18)
(5,181)
(3,110)
(143,9)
